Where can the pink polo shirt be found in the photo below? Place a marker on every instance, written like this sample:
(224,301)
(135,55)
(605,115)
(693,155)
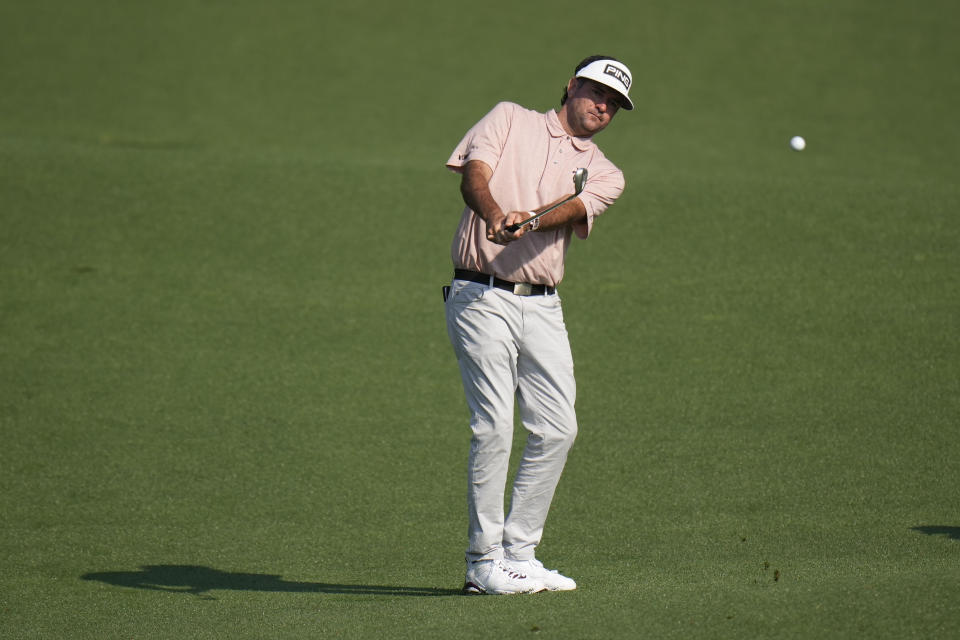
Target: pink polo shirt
(533,160)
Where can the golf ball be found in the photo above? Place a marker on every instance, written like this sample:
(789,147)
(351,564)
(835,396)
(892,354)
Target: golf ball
(798,143)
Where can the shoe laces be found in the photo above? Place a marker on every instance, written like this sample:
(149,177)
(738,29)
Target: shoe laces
(511,571)
(539,565)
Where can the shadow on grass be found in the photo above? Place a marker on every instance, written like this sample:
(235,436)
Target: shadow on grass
(951,532)
(198,581)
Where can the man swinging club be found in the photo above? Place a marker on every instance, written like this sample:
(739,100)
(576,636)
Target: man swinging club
(504,316)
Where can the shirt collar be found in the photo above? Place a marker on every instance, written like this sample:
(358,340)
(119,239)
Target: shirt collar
(555,129)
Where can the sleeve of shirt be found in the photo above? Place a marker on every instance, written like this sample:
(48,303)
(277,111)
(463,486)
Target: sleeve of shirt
(605,183)
(485,140)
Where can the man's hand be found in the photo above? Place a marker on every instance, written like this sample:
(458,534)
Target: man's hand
(497,227)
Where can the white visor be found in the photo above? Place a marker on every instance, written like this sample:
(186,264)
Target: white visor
(613,74)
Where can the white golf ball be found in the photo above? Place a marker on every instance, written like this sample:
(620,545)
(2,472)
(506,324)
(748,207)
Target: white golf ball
(798,143)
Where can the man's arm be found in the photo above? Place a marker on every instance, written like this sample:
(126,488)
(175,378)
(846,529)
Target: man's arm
(475,188)
(566,214)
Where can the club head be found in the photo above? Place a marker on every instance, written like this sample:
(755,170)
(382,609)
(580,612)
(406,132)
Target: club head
(579,179)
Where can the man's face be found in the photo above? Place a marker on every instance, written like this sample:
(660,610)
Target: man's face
(590,107)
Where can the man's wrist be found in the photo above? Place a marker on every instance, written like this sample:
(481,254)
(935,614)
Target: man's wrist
(536,223)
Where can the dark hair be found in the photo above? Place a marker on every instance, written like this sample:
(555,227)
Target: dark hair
(580,66)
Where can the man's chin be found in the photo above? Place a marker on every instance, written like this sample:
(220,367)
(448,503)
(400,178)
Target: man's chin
(592,127)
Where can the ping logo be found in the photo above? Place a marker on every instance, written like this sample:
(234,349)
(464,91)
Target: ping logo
(619,74)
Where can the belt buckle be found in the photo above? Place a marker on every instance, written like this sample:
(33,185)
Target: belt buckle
(522,289)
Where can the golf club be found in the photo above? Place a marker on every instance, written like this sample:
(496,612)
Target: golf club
(579,179)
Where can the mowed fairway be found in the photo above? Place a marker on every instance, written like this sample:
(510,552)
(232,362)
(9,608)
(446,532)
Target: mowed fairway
(228,407)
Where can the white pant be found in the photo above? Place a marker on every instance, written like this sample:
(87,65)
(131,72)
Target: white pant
(512,346)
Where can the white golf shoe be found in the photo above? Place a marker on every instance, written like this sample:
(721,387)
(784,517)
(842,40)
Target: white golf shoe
(494,577)
(552,579)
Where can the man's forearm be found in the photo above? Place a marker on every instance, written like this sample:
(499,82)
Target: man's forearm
(475,188)
(570,213)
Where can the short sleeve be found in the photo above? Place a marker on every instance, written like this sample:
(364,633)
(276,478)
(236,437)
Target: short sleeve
(485,140)
(604,186)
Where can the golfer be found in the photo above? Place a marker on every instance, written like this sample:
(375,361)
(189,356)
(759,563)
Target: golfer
(504,316)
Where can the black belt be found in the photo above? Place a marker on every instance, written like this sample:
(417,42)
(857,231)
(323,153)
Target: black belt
(519,288)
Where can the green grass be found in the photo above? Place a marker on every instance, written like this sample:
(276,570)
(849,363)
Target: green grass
(228,407)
